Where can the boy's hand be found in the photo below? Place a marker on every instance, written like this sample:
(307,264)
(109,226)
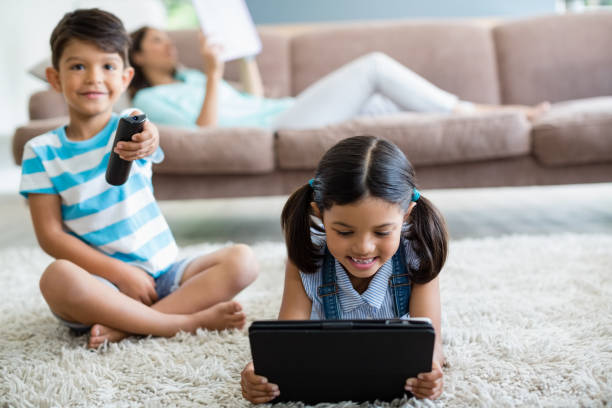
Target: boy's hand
(137,284)
(256,388)
(427,385)
(143,144)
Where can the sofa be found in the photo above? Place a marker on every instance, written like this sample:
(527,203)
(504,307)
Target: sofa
(564,59)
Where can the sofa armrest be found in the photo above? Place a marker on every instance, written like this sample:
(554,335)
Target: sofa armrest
(32,129)
(47,104)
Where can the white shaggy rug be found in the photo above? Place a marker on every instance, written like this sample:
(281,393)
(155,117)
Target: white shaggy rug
(527,321)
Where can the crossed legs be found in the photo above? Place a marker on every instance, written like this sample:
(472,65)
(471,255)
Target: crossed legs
(201,301)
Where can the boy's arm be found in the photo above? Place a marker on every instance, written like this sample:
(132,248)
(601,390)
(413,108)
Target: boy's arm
(45,210)
(250,77)
(296,304)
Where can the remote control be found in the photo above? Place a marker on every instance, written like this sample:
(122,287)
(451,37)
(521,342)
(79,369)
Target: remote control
(118,169)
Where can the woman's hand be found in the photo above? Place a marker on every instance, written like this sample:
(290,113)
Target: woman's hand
(427,385)
(256,388)
(213,65)
(137,284)
(143,144)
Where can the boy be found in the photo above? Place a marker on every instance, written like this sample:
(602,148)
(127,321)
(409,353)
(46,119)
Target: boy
(115,271)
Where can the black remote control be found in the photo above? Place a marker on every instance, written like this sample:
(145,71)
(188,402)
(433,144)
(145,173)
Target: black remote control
(118,169)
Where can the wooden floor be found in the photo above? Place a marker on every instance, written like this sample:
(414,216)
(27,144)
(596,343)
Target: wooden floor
(470,213)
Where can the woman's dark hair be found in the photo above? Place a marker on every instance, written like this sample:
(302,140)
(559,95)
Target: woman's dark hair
(353,169)
(95,26)
(139,81)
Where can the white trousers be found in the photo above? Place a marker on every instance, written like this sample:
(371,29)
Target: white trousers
(347,92)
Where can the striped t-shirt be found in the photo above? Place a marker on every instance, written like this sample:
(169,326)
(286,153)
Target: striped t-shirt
(375,303)
(124,221)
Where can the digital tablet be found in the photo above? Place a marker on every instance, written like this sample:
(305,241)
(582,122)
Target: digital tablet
(340,360)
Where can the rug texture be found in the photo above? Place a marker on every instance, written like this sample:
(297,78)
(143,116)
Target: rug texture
(527,321)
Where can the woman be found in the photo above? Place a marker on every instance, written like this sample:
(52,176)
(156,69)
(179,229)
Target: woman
(188,97)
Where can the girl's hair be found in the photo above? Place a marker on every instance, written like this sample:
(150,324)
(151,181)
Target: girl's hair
(139,81)
(353,169)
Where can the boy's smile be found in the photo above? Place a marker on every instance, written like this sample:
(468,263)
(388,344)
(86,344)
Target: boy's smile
(91,79)
(363,236)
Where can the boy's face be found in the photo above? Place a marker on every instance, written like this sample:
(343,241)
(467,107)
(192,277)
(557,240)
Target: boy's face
(90,79)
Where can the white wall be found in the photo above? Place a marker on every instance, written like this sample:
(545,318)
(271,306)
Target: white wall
(25,28)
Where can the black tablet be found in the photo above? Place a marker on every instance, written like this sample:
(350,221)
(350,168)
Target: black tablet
(340,360)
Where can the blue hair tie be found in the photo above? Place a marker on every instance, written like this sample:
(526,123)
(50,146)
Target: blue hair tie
(416,194)
(311,182)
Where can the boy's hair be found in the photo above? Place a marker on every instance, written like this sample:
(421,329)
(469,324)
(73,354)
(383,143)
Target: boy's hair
(353,169)
(99,27)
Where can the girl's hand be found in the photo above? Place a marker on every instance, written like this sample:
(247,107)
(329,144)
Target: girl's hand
(256,388)
(143,144)
(213,66)
(427,385)
(137,284)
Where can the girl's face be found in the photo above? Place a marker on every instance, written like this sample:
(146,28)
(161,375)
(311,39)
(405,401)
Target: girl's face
(157,51)
(364,235)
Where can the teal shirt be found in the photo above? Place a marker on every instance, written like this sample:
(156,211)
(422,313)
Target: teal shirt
(179,103)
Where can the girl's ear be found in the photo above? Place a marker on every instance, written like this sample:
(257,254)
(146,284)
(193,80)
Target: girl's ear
(410,208)
(53,78)
(315,210)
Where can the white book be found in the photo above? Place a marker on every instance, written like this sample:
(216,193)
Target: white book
(229,24)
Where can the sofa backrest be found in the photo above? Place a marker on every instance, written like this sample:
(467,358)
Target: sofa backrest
(273,61)
(555,58)
(456,56)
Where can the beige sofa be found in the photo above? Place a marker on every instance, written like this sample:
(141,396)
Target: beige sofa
(566,60)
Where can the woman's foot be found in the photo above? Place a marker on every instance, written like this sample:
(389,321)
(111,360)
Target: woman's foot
(98,334)
(535,111)
(532,112)
(224,315)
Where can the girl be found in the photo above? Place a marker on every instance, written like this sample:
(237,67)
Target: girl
(187,97)
(376,252)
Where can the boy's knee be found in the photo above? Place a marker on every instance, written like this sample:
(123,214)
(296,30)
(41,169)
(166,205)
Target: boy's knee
(53,274)
(244,263)
(57,283)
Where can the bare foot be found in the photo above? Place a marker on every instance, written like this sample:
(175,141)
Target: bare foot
(99,333)
(534,112)
(224,315)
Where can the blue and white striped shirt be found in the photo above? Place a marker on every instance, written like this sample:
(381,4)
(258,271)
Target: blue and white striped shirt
(375,303)
(124,221)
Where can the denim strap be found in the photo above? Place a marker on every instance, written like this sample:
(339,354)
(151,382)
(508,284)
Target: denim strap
(400,283)
(328,291)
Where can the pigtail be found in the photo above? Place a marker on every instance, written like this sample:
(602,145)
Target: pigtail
(296,225)
(429,237)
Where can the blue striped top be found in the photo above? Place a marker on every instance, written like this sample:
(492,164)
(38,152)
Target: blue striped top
(375,303)
(124,221)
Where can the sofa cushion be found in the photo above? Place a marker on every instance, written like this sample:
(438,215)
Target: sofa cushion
(216,151)
(575,132)
(425,139)
(554,58)
(457,57)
